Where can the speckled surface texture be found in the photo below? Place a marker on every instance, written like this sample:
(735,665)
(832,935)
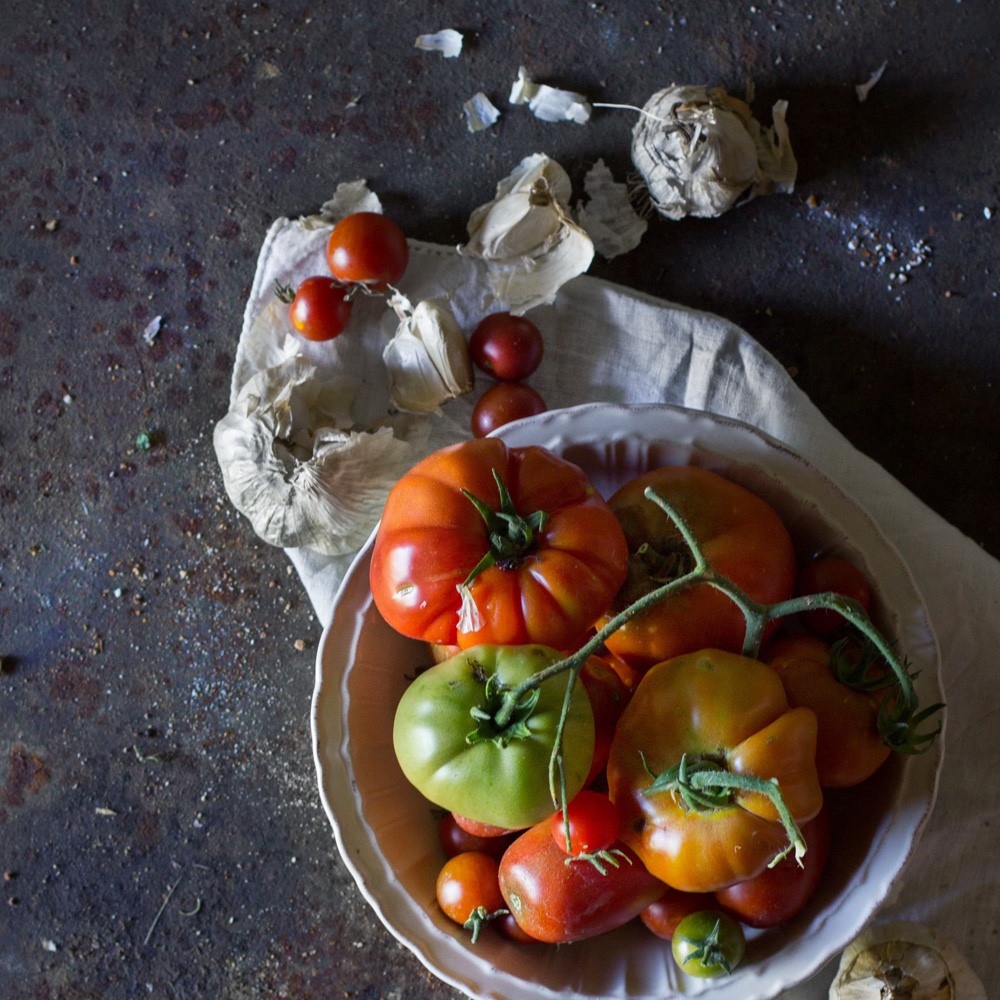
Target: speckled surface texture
(160,832)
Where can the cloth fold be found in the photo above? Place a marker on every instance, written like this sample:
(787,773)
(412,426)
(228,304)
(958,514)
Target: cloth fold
(607,343)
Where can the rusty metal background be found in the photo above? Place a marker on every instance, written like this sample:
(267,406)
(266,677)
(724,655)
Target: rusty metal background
(159,830)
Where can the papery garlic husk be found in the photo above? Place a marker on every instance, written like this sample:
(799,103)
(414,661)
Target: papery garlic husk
(292,465)
(701,151)
(427,357)
(348,198)
(904,961)
(549,104)
(526,236)
(480,112)
(608,216)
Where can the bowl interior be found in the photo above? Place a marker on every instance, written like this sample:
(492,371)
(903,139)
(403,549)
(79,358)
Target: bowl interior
(387,832)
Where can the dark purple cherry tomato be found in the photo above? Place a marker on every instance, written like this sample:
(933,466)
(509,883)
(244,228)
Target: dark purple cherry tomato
(507,347)
(502,403)
(320,309)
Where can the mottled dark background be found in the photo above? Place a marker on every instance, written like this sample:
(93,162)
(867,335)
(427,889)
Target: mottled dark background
(157,658)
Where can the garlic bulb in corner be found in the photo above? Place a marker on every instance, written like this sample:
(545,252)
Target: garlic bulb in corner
(526,236)
(701,151)
(292,465)
(427,358)
(904,961)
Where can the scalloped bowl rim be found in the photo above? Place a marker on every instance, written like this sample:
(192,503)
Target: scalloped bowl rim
(400,888)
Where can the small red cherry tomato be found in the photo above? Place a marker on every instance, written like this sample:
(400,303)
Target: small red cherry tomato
(663,916)
(468,889)
(367,248)
(320,309)
(478,829)
(831,573)
(455,840)
(507,347)
(593,823)
(502,403)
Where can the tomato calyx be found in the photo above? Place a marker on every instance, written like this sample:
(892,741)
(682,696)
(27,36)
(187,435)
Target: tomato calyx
(512,724)
(512,536)
(479,917)
(707,950)
(702,783)
(600,859)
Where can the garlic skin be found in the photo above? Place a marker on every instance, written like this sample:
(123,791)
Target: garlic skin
(349,197)
(549,104)
(701,151)
(526,236)
(607,215)
(293,467)
(904,961)
(427,358)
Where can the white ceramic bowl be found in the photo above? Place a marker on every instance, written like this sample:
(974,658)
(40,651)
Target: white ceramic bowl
(387,835)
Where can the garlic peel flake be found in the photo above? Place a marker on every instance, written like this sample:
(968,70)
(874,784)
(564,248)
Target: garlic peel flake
(448,42)
(608,216)
(349,197)
(549,104)
(293,467)
(526,236)
(700,151)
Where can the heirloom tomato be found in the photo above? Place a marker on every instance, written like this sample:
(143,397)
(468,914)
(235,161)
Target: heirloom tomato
(558,899)
(742,538)
(849,747)
(708,944)
(451,749)
(831,573)
(711,721)
(777,894)
(481,543)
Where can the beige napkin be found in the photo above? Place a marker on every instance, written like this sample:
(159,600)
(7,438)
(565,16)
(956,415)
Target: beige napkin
(608,343)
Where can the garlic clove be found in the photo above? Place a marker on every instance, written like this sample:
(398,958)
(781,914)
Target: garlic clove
(904,961)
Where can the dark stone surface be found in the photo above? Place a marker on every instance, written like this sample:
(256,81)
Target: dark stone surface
(157,658)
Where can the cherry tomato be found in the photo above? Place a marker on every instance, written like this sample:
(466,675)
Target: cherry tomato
(367,248)
(502,403)
(320,309)
(708,944)
(456,840)
(831,573)
(779,893)
(468,889)
(507,925)
(593,823)
(477,829)
(507,347)
(663,916)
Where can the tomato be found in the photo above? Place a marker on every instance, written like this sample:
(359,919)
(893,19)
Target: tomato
(477,829)
(708,944)
(320,309)
(454,839)
(468,890)
(502,403)
(742,538)
(507,347)
(608,696)
(836,574)
(663,915)
(849,746)
(777,894)
(538,561)
(558,899)
(592,822)
(475,768)
(724,715)
(367,248)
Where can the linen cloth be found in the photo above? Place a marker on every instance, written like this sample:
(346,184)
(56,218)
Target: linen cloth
(607,343)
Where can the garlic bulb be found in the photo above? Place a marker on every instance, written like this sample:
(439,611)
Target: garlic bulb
(526,236)
(701,151)
(291,464)
(904,961)
(427,358)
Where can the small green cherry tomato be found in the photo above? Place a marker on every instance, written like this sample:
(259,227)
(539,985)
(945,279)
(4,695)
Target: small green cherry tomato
(708,944)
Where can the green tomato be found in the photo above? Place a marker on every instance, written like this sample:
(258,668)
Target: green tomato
(708,944)
(451,751)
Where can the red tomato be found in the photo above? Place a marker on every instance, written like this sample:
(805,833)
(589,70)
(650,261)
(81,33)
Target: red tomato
(507,347)
(836,574)
(593,822)
(456,840)
(741,536)
(663,916)
(477,829)
(468,890)
(608,695)
(320,309)
(779,893)
(502,403)
(548,586)
(367,248)
(557,899)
